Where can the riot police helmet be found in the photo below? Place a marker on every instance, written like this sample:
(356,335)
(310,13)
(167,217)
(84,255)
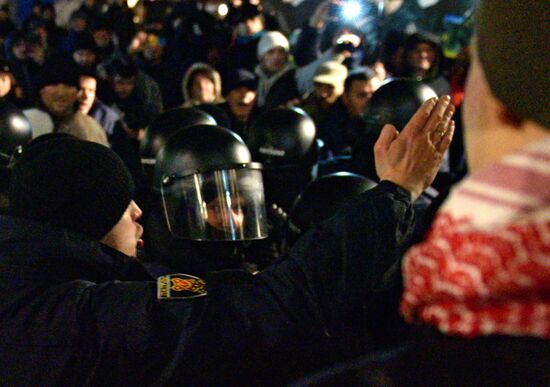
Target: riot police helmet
(283,136)
(221,117)
(210,188)
(321,199)
(394,103)
(165,125)
(15,130)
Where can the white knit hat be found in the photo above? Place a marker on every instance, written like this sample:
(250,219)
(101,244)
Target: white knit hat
(271,40)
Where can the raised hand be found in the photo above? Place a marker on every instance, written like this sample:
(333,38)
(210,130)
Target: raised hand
(412,158)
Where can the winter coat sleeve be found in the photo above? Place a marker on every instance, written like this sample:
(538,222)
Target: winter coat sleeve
(244,316)
(307,46)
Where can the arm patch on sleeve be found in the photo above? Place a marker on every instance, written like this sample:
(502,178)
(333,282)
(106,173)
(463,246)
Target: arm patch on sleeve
(180,287)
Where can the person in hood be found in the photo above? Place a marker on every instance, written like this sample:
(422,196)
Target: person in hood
(201,84)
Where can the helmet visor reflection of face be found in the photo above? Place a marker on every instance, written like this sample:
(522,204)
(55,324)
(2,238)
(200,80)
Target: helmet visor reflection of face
(219,205)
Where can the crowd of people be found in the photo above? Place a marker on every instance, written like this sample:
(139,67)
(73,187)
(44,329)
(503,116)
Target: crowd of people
(203,197)
(189,54)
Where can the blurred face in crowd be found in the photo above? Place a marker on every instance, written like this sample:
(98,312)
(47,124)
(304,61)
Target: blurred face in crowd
(5,83)
(125,236)
(380,70)
(84,58)
(202,88)
(275,59)
(422,57)
(241,101)
(42,33)
(359,94)
(124,87)
(48,14)
(79,24)
(19,50)
(36,52)
(102,37)
(86,93)
(59,99)
(327,94)
(250,26)
(153,47)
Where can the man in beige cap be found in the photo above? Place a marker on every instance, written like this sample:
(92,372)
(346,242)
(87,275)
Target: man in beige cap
(280,81)
(328,85)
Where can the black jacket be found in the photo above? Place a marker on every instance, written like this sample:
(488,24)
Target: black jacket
(437,360)
(76,313)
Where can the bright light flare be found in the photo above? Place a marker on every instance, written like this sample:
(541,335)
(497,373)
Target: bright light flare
(351,9)
(223,10)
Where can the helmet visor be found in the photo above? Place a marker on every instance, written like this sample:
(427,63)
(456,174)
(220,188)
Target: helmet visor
(221,205)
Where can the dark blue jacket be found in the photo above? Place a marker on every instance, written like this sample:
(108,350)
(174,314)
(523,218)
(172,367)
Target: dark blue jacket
(107,117)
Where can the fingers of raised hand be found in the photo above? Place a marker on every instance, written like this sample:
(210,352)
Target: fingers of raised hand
(419,119)
(441,126)
(446,138)
(388,134)
(441,113)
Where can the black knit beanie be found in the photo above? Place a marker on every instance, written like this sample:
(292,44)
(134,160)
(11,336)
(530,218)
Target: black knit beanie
(58,70)
(70,183)
(513,50)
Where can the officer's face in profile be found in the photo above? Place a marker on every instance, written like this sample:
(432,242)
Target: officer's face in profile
(125,236)
(219,218)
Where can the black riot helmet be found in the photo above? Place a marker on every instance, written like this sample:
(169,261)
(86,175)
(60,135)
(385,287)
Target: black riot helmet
(165,125)
(15,130)
(283,140)
(210,188)
(282,137)
(321,199)
(394,103)
(221,117)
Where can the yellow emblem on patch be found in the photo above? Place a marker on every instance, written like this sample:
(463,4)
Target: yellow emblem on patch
(180,286)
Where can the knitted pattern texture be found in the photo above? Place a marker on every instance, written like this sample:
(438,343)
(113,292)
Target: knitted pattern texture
(484,267)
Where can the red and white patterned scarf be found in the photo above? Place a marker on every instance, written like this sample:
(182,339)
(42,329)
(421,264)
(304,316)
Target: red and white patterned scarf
(484,267)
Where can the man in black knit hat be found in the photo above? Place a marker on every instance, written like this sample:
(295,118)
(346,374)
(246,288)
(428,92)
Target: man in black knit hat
(78,309)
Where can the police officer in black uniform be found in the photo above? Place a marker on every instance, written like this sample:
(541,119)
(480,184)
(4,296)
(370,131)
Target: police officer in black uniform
(283,139)
(209,200)
(78,309)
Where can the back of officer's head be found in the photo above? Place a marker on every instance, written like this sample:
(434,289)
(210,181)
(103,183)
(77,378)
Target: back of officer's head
(77,185)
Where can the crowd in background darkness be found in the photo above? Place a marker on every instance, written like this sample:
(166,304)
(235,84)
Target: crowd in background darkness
(169,38)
